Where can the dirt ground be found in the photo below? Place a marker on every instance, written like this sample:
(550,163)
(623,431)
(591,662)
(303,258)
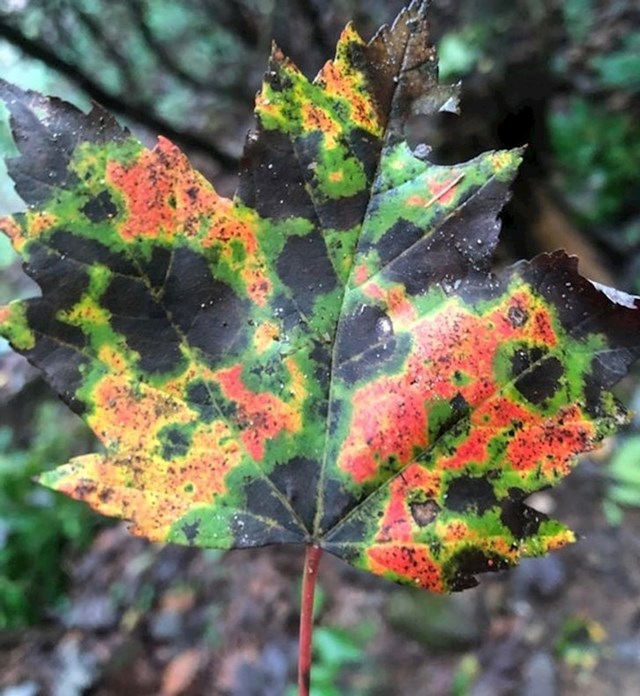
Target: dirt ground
(172,621)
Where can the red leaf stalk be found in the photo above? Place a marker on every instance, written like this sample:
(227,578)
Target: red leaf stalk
(311,561)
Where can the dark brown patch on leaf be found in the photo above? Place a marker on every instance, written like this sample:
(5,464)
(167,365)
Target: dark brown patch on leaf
(517,316)
(425,512)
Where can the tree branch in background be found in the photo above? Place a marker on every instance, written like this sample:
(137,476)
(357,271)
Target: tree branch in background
(237,20)
(108,46)
(136,112)
(158,48)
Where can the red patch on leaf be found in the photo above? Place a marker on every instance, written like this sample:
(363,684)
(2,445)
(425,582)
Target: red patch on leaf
(259,416)
(411,562)
(392,412)
(164,196)
(416,484)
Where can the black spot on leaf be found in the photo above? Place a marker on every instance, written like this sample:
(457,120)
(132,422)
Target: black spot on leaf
(368,327)
(271,181)
(376,359)
(191,530)
(129,297)
(144,323)
(449,253)
(63,282)
(295,478)
(321,356)
(460,570)
(100,208)
(47,132)
(61,278)
(470,492)
(542,381)
(206,311)
(523,358)
(62,365)
(175,442)
(199,396)
(249,530)
(304,267)
(337,502)
(521,520)
(268,504)
(89,251)
(398,238)
(155,270)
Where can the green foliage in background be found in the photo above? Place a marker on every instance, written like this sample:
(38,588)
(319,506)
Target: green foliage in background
(460,51)
(623,472)
(578,18)
(620,69)
(338,652)
(581,644)
(465,676)
(598,152)
(38,529)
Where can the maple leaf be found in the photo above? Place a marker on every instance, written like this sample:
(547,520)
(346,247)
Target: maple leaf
(326,358)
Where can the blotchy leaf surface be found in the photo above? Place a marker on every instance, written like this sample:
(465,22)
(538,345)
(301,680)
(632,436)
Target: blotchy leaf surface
(327,357)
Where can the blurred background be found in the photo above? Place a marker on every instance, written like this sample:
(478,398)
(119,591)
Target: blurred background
(86,609)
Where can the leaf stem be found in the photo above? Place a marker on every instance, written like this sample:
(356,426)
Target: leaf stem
(312,557)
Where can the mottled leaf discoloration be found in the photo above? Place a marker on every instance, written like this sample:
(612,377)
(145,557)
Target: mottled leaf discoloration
(326,357)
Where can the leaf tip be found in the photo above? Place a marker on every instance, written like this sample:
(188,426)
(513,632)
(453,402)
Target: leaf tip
(618,297)
(277,56)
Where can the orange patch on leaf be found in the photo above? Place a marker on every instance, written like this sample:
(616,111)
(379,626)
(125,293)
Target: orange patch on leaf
(228,222)
(39,222)
(212,454)
(391,413)
(411,562)
(265,335)
(389,421)
(260,416)
(400,309)
(257,283)
(128,418)
(453,531)
(315,119)
(14,231)
(130,486)
(297,385)
(342,80)
(551,445)
(360,274)
(112,358)
(231,224)
(164,196)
